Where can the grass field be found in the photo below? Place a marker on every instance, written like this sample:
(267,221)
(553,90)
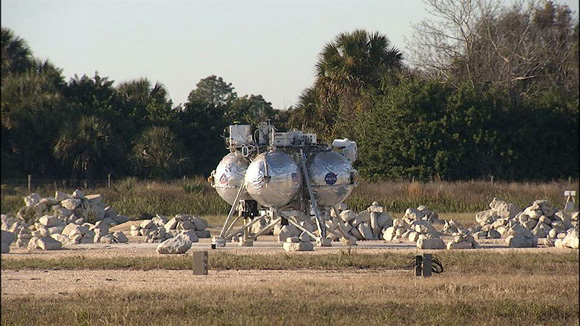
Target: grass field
(143,199)
(476,288)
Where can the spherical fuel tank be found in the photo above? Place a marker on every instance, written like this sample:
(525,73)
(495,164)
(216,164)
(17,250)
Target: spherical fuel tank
(330,177)
(273,179)
(229,177)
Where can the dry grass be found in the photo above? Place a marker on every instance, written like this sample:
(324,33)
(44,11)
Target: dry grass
(477,288)
(143,199)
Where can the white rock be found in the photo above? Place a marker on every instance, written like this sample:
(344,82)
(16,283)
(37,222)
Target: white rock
(192,235)
(49,220)
(176,245)
(32,199)
(300,246)
(121,237)
(389,233)
(356,233)
(171,224)
(432,243)
(347,215)
(287,231)
(70,204)
(60,196)
(414,214)
(361,217)
(459,245)
(146,224)
(366,231)
(78,194)
(48,243)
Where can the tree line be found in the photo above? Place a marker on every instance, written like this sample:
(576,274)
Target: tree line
(485,90)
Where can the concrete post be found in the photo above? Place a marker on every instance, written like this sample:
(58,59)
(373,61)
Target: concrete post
(200,263)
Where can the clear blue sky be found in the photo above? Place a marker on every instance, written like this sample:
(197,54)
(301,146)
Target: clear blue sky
(261,47)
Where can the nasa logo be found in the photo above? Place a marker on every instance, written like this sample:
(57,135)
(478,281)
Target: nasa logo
(223,179)
(330,178)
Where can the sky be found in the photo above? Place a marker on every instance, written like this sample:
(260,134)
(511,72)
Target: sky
(261,47)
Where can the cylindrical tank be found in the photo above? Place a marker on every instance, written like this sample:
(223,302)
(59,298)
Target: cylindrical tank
(229,177)
(330,177)
(273,179)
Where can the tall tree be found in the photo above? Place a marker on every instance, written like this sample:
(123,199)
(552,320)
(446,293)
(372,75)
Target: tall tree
(349,69)
(16,55)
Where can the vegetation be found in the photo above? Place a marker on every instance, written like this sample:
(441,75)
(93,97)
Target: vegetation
(487,90)
(143,199)
(476,288)
(472,262)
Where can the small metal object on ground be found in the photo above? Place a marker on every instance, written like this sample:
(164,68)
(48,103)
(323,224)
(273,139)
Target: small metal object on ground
(424,265)
(200,263)
(427,265)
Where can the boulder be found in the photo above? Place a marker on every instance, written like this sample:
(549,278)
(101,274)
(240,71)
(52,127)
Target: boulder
(300,246)
(176,245)
(433,243)
(200,223)
(171,224)
(384,220)
(5,248)
(188,225)
(48,243)
(375,208)
(493,234)
(159,220)
(60,196)
(71,203)
(78,194)
(414,214)
(60,238)
(287,231)
(356,233)
(192,235)
(459,245)
(7,237)
(32,199)
(504,209)
(203,234)
(389,233)
(362,217)
(366,232)
(486,217)
(121,237)
(347,215)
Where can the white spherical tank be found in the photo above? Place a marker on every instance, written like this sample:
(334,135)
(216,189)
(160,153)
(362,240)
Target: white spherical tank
(330,177)
(229,177)
(273,179)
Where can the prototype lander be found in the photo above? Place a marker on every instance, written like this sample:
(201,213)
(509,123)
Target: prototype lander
(282,177)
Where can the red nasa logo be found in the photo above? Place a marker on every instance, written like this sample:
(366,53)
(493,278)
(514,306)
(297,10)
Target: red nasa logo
(224,179)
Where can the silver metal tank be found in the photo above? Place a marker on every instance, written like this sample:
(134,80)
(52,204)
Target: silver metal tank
(330,177)
(273,179)
(229,177)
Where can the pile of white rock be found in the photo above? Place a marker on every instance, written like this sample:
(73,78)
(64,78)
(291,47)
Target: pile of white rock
(160,228)
(74,208)
(462,240)
(522,228)
(65,221)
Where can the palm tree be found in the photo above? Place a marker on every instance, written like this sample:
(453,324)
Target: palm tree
(16,55)
(349,68)
(85,145)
